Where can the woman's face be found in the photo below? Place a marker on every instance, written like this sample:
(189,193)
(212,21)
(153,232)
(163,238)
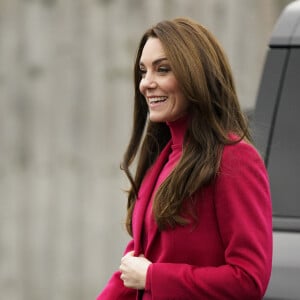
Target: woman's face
(159,86)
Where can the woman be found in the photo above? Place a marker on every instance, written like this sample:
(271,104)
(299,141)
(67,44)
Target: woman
(199,208)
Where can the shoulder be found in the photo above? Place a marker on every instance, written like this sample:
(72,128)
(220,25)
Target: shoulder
(242,170)
(239,150)
(240,156)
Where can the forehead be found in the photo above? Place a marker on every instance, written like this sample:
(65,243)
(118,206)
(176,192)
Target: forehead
(152,51)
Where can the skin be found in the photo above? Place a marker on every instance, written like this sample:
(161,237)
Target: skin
(134,270)
(166,103)
(159,85)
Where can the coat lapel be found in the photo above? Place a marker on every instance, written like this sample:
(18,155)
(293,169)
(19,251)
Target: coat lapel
(144,197)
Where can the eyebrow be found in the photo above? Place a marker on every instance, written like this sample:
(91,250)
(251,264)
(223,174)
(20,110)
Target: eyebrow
(155,62)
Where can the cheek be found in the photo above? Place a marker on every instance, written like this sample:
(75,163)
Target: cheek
(141,87)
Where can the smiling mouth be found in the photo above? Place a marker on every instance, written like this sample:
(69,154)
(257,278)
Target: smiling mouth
(155,100)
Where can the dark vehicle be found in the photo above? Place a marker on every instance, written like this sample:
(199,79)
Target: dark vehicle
(277,136)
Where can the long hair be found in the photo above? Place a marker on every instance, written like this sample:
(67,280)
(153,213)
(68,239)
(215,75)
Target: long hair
(205,78)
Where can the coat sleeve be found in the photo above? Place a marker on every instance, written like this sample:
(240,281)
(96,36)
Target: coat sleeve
(115,289)
(244,216)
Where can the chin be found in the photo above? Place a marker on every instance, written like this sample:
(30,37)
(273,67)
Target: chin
(157,119)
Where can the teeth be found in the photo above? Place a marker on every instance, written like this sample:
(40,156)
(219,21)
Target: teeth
(157,99)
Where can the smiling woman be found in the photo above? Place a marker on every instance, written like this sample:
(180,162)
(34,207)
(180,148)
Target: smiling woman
(199,206)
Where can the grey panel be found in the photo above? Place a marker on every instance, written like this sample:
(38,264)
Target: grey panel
(286,224)
(284,158)
(268,96)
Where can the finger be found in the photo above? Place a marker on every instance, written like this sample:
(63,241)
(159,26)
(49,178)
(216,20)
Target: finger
(128,254)
(123,278)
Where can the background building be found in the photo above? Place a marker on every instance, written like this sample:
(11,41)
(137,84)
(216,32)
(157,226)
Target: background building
(65,117)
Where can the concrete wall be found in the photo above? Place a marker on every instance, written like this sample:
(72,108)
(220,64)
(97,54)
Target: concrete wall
(65,117)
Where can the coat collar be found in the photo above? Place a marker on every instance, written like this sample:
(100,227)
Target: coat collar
(145,192)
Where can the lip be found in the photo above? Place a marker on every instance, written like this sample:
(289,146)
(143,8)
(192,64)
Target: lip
(156,100)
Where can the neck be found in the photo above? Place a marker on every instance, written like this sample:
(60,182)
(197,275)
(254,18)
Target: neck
(178,130)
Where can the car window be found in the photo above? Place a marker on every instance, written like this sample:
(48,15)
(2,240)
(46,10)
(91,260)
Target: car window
(270,88)
(283,158)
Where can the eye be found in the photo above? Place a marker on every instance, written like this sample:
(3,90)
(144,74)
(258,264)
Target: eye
(164,69)
(142,72)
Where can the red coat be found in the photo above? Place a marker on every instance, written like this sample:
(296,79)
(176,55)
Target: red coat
(227,254)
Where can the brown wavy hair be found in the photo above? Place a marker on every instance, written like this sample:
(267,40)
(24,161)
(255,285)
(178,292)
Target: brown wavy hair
(203,72)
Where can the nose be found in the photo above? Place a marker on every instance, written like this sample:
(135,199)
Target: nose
(147,82)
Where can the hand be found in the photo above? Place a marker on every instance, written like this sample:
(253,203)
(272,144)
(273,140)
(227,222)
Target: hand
(134,270)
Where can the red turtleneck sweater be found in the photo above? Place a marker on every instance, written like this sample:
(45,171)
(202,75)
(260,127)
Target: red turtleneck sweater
(177,129)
